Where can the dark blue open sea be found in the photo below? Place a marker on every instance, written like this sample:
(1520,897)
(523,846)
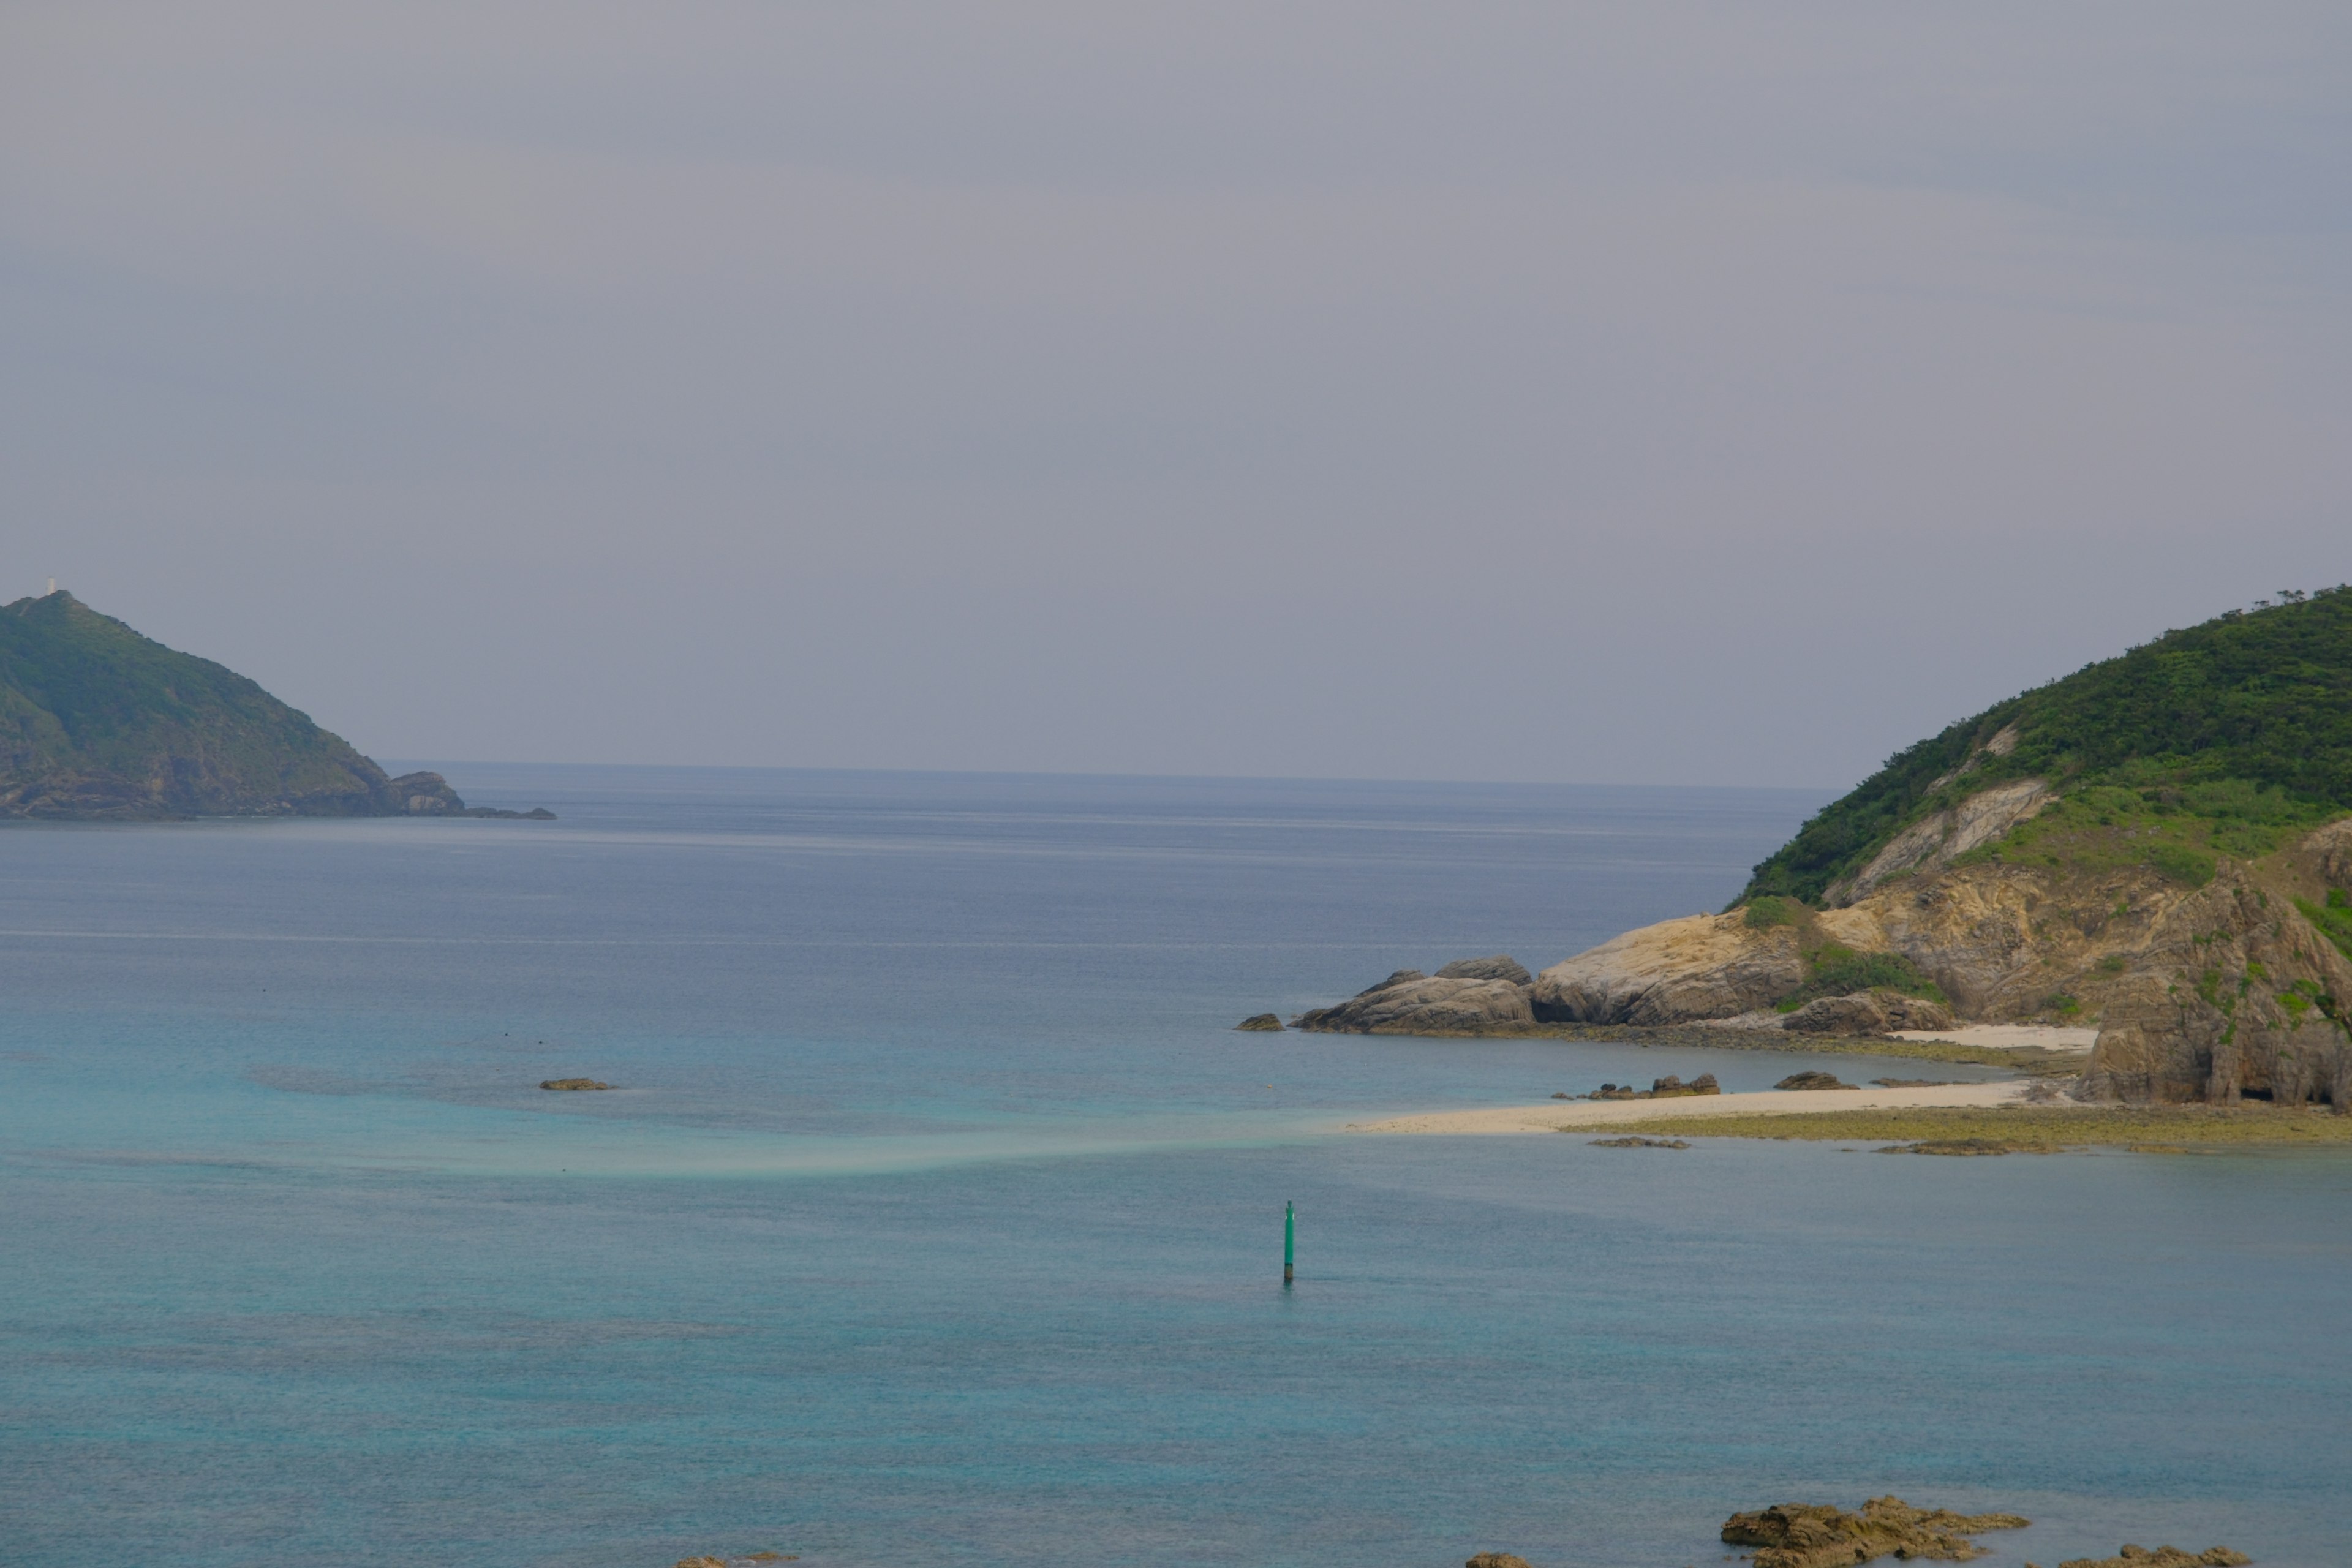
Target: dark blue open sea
(937,1219)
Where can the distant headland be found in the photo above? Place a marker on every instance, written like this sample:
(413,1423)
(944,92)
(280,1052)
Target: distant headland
(99,723)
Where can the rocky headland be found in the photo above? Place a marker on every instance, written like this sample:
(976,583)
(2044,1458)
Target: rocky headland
(99,724)
(2158,848)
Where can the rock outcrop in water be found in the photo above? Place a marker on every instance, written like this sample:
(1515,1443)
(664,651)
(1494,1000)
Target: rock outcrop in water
(1811,1536)
(1670,1087)
(2162,1557)
(1260,1023)
(1460,999)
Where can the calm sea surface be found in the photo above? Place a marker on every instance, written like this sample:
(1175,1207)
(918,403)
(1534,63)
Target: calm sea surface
(938,1217)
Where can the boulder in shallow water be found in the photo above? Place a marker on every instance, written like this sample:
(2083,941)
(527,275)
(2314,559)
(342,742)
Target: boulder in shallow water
(1496,1560)
(1501,966)
(1812,1080)
(1814,1535)
(573,1083)
(1411,1003)
(1671,1085)
(1257,1023)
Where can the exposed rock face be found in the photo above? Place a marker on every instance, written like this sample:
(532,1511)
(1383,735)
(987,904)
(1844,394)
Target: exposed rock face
(2200,993)
(1502,966)
(1496,1560)
(2330,850)
(1811,1080)
(1410,1002)
(574,1083)
(2231,994)
(1805,1535)
(1867,1013)
(1260,1023)
(423,795)
(1702,966)
(1939,839)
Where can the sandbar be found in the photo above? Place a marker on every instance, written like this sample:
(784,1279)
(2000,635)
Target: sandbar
(2007,1036)
(1566,1115)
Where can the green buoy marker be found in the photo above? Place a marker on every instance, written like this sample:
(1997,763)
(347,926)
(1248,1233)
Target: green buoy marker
(1289,1239)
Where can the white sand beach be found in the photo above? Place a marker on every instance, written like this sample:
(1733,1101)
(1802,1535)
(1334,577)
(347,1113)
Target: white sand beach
(1568,1115)
(2008,1037)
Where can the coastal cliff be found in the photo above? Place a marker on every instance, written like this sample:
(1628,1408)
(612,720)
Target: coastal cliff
(98,722)
(2159,846)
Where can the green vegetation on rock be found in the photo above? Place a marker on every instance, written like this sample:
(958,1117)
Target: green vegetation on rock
(2218,740)
(2334,918)
(1833,969)
(97,721)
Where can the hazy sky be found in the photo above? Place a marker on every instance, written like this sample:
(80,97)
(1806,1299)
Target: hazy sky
(1708,393)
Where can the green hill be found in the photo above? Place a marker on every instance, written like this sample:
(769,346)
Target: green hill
(97,721)
(2229,731)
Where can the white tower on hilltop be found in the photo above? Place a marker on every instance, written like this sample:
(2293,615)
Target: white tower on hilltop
(53,586)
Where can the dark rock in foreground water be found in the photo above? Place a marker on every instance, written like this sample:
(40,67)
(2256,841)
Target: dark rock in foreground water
(573,1083)
(1812,1535)
(1265,1023)
(1812,1080)
(1496,1560)
(2162,1557)
(1639,1144)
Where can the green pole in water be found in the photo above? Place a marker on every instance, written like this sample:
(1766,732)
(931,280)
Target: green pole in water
(1289,1239)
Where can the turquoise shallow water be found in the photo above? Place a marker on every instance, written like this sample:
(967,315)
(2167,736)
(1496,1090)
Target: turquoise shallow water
(938,1217)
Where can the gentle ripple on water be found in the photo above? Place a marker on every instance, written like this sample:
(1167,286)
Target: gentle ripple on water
(934,1220)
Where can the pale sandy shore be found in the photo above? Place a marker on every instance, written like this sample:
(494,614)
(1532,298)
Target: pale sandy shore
(2008,1037)
(1566,1115)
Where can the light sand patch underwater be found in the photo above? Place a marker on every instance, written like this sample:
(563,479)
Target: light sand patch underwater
(1563,1116)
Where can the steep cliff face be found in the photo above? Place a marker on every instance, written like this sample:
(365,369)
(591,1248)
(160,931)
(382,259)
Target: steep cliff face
(97,721)
(2237,990)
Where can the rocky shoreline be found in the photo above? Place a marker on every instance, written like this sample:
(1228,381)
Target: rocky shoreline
(2217,991)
